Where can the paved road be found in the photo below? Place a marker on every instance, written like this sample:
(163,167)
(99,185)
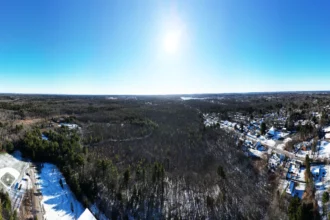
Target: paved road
(36,198)
(274,148)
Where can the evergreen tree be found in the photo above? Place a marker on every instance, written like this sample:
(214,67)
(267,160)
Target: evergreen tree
(1,210)
(325,197)
(221,172)
(308,175)
(263,128)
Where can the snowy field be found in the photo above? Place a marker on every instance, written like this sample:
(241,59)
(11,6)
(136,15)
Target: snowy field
(11,170)
(87,215)
(57,201)
(13,178)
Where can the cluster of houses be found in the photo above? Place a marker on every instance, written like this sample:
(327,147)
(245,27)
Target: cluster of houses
(278,119)
(296,179)
(275,160)
(255,149)
(211,119)
(295,182)
(276,134)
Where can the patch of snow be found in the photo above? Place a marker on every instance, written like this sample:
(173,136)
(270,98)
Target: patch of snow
(270,143)
(44,137)
(87,215)
(70,126)
(327,136)
(17,154)
(256,153)
(286,140)
(324,149)
(190,98)
(326,129)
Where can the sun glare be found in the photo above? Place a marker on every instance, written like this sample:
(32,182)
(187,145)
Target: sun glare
(172,41)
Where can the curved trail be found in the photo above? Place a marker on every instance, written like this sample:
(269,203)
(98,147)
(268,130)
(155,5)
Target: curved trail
(125,140)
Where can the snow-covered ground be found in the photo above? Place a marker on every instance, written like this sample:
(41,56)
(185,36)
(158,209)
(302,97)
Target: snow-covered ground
(87,215)
(184,98)
(324,149)
(12,166)
(257,153)
(299,190)
(57,201)
(304,148)
(44,137)
(70,126)
(286,140)
(322,182)
(98,213)
(283,185)
(326,129)
(12,177)
(267,142)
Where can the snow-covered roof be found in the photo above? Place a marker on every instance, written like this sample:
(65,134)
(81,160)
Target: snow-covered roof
(290,189)
(327,136)
(326,129)
(271,131)
(87,215)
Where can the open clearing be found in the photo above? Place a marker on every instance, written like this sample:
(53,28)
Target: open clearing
(8,179)
(11,170)
(57,200)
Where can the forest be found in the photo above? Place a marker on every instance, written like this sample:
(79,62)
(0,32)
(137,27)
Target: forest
(151,156)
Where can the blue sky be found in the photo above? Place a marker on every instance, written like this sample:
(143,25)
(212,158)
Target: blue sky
(163,47)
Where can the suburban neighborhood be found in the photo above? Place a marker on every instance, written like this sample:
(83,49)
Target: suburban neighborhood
(298,158)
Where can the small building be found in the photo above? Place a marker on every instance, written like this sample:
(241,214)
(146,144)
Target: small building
(290,189)
(316,171)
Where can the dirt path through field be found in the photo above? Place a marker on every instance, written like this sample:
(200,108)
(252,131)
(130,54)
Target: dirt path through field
(36,197)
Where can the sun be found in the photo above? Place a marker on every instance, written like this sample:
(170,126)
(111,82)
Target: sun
(172,40)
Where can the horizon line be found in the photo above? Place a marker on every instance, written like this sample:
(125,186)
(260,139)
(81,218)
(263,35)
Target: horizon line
(175,94)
